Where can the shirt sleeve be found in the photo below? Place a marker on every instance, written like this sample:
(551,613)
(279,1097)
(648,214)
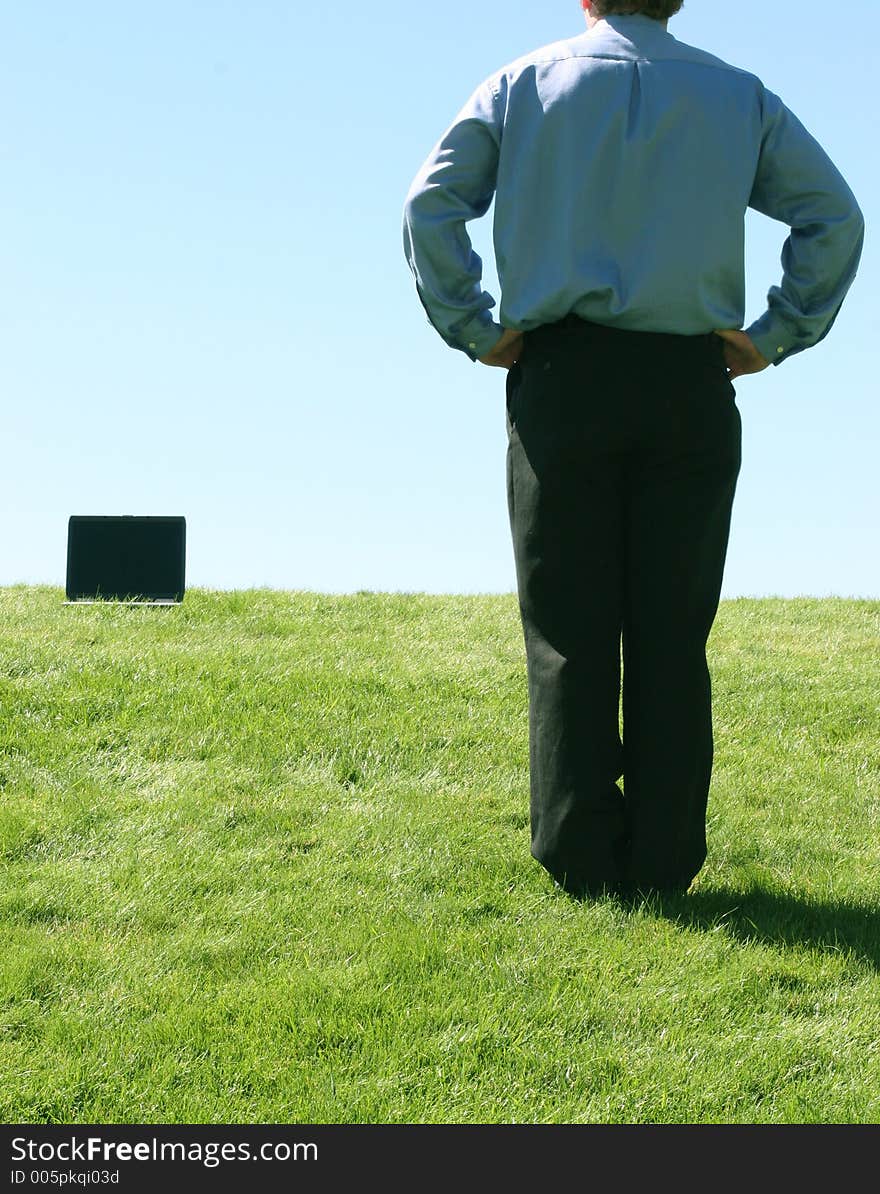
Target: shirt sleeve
(797,183)
(456,184)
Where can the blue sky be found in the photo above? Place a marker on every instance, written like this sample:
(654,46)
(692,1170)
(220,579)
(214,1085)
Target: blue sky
(205,309)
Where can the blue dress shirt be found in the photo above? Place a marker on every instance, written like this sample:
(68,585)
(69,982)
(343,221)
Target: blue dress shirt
(622,163)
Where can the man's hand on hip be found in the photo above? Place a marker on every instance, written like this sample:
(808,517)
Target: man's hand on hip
(740,353)
(506,352)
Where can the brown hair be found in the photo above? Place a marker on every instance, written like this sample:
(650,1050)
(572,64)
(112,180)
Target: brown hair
(660,10)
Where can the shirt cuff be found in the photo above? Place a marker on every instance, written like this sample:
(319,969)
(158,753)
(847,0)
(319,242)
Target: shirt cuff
(772,339)
(478,337)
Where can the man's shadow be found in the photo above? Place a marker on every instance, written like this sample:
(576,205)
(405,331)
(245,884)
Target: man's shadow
(838,926)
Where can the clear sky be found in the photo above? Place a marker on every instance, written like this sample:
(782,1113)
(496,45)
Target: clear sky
(205,308)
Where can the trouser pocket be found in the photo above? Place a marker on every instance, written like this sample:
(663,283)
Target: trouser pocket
(512,383)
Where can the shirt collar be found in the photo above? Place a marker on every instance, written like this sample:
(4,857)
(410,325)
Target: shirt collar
(634,26)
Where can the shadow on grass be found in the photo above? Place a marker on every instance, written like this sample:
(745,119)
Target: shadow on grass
(838,926)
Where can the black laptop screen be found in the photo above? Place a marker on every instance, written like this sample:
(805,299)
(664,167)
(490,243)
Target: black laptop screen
(126,558)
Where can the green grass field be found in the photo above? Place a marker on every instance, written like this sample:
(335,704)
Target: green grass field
(266,860)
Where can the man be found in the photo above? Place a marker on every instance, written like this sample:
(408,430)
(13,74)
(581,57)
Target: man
(622,163)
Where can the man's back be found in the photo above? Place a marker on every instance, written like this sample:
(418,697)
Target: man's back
(628,165)
(622,163)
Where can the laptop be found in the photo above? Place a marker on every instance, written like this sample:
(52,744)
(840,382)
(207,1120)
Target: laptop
(138,560)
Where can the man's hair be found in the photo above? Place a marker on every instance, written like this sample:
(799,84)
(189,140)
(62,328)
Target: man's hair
(660,10)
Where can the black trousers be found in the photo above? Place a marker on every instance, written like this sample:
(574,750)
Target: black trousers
(624,450)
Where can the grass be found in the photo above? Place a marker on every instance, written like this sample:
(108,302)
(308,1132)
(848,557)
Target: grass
(265,860)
